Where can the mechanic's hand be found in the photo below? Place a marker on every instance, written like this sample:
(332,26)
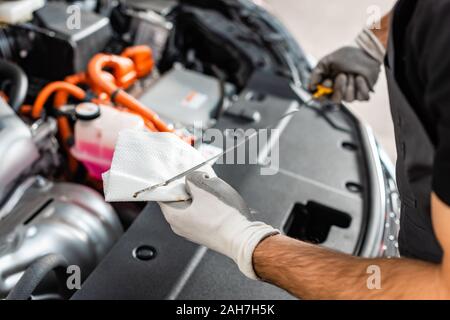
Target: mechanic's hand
(216,217)
(351,71)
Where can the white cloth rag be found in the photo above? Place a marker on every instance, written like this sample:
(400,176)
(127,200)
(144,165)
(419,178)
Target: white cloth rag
(142,159)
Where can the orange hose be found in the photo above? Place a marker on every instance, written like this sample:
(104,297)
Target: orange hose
(62,90)
(142,57)
(123,70)
(95,69)
(51,88)
(65,132)
(62,96)
(147,123)
(25,109)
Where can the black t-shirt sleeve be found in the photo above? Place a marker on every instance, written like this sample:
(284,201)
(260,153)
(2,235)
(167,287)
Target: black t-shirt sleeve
(432,46)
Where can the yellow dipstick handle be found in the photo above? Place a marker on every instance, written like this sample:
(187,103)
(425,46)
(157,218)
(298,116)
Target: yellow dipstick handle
(322,91)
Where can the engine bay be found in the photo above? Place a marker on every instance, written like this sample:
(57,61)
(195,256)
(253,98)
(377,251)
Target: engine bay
(72,76)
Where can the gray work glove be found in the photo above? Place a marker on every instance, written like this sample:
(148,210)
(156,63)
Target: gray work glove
(351,71)
(216,217)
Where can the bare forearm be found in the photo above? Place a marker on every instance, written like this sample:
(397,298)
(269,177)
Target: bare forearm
(312,272)
(382,32)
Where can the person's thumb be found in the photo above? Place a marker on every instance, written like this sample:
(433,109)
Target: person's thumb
(317,76)
(199,185)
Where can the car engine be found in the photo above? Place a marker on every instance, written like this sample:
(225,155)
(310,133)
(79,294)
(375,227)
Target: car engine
(72,75)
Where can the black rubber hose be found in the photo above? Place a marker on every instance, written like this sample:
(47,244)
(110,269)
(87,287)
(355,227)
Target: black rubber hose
(35,273)
(19,83)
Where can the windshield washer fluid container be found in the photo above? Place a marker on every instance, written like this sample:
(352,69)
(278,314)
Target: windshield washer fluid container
(96,133)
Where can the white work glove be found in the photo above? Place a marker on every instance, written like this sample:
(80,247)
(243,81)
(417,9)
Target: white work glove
(351,71)
(216,217)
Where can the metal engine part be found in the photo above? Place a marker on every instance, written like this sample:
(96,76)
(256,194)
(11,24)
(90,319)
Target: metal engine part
(42,218)
(150,28)
(17,148)
(44,137)
(184,97)
(24,150)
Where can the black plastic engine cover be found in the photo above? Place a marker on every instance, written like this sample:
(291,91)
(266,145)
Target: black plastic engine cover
(55,48)
(218,41)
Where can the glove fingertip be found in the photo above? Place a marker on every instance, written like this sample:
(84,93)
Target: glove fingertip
(359,96)
(363,88)
(336,98)
(340,84)
(350,94)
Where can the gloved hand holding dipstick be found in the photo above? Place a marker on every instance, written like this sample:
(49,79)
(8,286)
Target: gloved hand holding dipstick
(351,71)
(199,207)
